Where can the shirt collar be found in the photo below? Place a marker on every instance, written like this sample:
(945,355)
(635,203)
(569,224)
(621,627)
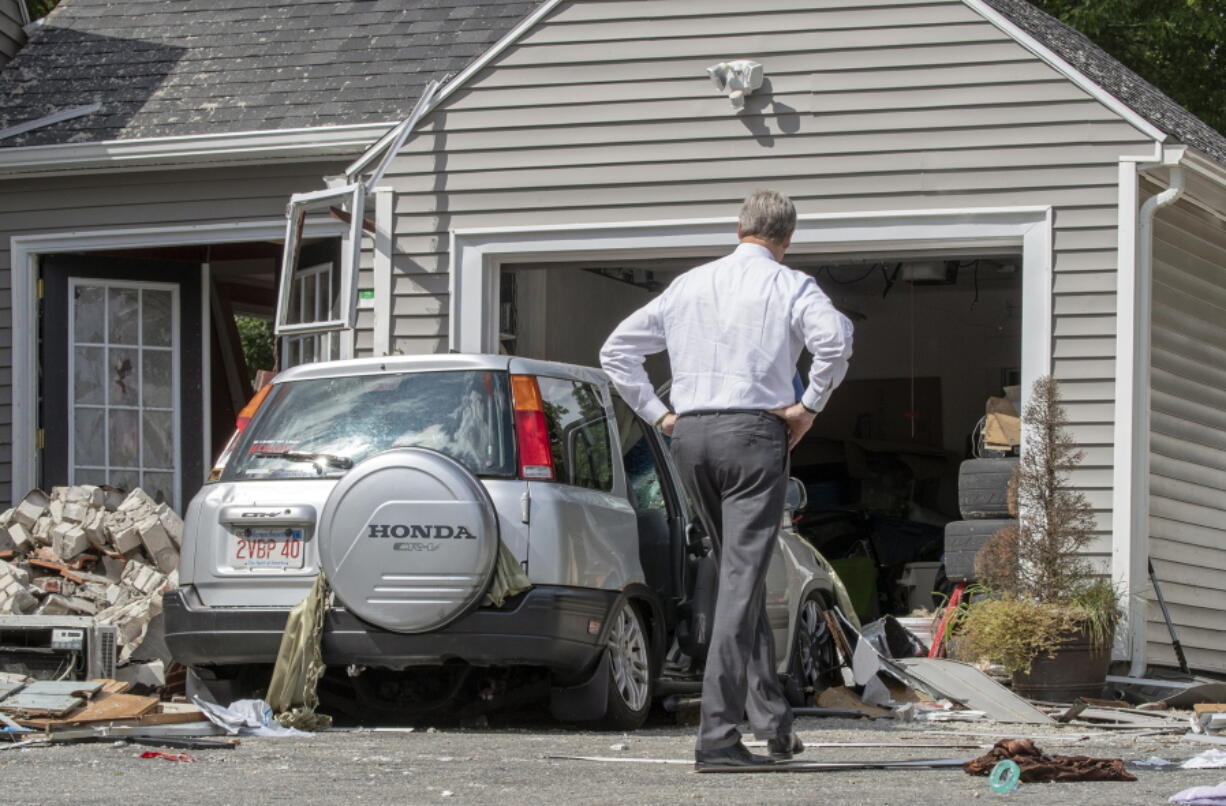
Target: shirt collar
(751,249)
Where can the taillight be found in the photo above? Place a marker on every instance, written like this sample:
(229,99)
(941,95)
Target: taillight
(531,430)
(253,405)
(240,425)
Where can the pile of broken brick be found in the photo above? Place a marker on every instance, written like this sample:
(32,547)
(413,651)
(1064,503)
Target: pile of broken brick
(90,551)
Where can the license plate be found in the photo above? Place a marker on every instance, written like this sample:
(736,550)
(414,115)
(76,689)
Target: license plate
(274,549)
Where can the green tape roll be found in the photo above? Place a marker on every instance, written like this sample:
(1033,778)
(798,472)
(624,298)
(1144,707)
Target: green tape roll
(1006,776)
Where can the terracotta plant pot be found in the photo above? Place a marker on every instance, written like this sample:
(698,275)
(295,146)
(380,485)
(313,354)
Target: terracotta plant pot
(1075,669)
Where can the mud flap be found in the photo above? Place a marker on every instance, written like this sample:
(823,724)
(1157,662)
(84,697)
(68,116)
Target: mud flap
(586,701)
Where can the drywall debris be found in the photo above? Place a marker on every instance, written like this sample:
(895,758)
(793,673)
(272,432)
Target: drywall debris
(89,550)
(31,508)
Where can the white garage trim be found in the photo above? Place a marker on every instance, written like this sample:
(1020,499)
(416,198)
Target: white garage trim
(477,255)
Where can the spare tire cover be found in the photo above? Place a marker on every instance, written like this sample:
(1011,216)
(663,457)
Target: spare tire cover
(409,540)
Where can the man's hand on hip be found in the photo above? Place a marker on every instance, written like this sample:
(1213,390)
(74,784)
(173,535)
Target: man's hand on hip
(799,420)
(667,423)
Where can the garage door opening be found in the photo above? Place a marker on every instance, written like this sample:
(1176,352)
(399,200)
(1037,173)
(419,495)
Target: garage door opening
(937,334)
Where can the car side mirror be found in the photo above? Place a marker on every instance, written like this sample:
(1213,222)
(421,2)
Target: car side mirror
(798,496)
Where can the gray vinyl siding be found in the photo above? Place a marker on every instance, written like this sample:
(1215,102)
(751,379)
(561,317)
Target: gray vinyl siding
(1188,436)
(12,37)
(605,113)
(122,201)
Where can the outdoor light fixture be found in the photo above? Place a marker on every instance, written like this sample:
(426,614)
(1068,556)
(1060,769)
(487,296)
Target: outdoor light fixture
(736,79)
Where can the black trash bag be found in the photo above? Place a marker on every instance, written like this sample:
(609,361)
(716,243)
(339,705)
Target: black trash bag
(892,640)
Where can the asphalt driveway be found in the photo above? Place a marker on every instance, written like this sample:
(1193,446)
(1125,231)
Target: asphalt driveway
(512,765)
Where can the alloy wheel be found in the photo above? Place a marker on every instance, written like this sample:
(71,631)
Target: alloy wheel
(814,646)
(628,658)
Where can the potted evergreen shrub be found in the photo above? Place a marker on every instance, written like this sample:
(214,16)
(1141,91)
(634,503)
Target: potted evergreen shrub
(1040,611)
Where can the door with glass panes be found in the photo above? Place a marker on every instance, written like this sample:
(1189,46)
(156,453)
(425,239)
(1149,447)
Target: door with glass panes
(121,376)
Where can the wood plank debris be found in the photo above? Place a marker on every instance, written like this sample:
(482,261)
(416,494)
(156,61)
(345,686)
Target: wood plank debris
(837,766)
(49,698)
(106,708)
(900,745)
(33,704)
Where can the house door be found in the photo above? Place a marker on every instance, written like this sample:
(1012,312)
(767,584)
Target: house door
(121,375)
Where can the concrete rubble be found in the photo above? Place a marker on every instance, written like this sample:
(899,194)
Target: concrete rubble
(93,551)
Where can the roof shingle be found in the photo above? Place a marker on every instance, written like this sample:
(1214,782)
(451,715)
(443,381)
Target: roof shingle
(174,67)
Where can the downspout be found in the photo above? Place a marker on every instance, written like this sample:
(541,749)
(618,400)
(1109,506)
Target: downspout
(1143,328)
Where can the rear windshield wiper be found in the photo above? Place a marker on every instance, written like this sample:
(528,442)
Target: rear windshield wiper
(317,459)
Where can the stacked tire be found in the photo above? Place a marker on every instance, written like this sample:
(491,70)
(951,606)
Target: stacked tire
(983,499)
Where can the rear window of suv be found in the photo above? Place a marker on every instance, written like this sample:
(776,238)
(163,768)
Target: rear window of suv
(322,426)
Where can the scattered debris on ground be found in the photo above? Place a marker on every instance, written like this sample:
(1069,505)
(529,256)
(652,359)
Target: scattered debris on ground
(1202,795)
(60,711)
(1039,767)
(180,757)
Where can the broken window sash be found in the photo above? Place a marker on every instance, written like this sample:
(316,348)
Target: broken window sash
(314,302)
(312,298)
(315,292)
(308,349)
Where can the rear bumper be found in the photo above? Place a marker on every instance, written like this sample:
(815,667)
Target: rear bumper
(547,626)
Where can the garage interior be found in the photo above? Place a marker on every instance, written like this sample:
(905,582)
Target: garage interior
(937,334)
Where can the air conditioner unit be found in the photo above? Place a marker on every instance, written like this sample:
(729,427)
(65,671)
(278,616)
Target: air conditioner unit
(57,647)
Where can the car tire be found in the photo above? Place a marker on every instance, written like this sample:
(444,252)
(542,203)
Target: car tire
(813,658)
(983,487)
(963,539)
(630,672)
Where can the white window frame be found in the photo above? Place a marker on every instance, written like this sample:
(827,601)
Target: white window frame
(353,196)
(175,351)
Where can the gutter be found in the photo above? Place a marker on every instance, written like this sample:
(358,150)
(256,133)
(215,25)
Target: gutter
(315,143)
(1134,336)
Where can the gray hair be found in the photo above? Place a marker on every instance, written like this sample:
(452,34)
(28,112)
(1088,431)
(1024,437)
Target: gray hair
(769,215)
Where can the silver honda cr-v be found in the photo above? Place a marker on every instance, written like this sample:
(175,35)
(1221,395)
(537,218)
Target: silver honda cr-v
(407,480)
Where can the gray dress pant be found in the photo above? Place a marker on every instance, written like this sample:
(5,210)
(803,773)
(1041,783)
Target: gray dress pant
(734,466)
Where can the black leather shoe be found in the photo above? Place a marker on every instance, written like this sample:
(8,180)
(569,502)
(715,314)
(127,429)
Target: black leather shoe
(783,749)
(736,755)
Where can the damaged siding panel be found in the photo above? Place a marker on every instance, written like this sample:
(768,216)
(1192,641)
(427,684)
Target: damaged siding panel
(1188,435)
(142,200)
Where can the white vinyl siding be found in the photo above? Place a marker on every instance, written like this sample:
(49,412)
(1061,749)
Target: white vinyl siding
(1188,437)
(12,36)
(604,113)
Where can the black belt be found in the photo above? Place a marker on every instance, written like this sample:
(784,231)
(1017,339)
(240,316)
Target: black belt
(755,412)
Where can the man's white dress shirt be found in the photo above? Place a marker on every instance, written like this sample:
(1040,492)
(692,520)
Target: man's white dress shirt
(734,329)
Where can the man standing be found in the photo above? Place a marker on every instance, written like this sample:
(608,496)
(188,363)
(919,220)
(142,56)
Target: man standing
(734,329)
